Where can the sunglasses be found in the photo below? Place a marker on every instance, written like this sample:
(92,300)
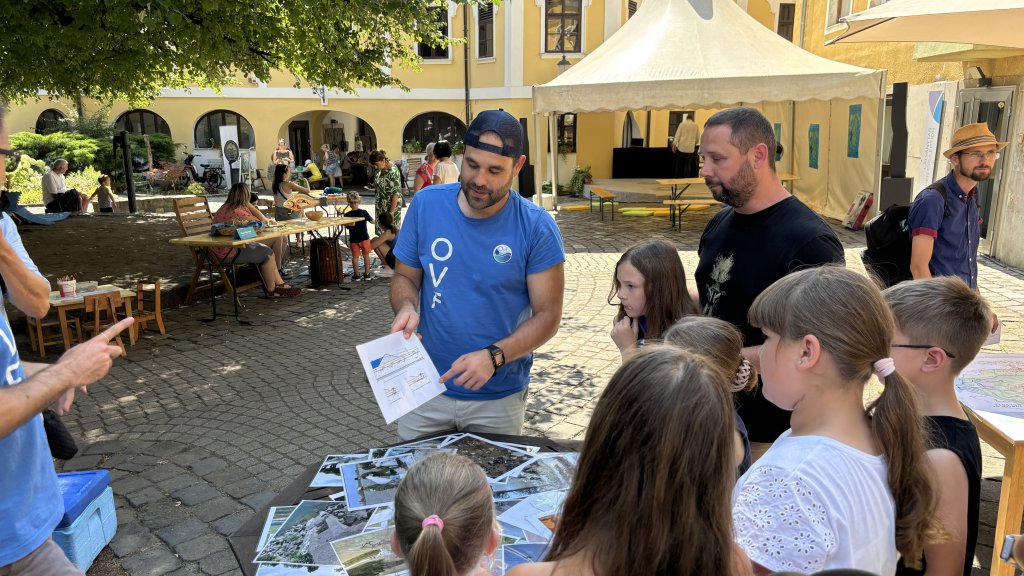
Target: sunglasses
(924,347)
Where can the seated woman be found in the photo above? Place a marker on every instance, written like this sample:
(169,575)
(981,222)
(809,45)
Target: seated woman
(384,244)
(646,497)
(283,189)
(265,254)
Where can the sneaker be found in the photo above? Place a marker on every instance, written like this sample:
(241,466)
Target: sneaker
(385,272)
(367,277)
(356,278)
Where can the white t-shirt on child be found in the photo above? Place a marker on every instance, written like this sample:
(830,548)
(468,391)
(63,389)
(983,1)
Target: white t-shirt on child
(812,503)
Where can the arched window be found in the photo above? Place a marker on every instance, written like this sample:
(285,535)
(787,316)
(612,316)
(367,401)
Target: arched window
(49,121)
(433,126)
(207,132)
(142,122)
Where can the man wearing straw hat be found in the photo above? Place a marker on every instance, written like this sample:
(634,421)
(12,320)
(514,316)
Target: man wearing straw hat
(945,225)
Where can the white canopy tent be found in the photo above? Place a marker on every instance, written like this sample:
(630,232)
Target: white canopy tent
(675,54)
(988,22)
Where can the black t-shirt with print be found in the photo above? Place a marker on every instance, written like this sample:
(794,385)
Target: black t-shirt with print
(740,256)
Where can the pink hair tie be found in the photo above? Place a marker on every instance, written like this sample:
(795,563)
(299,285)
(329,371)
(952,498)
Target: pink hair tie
(433,520)
(885,367)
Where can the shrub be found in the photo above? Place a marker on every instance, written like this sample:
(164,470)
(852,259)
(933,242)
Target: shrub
(27,178)
(78,149)
(196,189)
(85,181)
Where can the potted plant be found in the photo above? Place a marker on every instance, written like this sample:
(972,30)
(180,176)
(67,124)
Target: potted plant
(580,176)
(458,148)
(565,148)
(412,146)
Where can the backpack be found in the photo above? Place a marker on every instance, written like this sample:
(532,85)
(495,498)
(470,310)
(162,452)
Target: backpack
(887,256)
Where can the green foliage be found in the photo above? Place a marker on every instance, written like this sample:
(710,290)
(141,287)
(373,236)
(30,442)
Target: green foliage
(195,189)
(78,149)
(96,125)
(412,146)
(27,178)
(126,50)
(458,148)
(85,181)
(580,176)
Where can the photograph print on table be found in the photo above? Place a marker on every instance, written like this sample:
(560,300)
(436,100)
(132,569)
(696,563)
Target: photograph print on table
(496,460)
(371,484)
(330,471)
(282,569)
(306,536)
(549,471)
(516,554)
(276,517)
(368,554)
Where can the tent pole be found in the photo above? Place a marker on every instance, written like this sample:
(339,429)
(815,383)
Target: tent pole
(537,199)
(553,158)
(792,142)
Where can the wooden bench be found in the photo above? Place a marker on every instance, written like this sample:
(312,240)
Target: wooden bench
(680,205)
(602,197)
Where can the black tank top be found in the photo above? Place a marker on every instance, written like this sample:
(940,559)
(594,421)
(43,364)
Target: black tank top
(961,438)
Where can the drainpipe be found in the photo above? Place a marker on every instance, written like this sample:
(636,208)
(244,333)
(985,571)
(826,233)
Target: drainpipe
(465,58)
(803,16)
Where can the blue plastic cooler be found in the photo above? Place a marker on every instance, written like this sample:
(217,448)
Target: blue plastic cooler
(89,521)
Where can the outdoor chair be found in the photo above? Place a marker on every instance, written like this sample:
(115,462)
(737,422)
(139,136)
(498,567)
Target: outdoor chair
(147,307)
(103,308)
(46,331)
(194,217)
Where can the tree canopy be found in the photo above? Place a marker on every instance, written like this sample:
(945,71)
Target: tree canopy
(129,49)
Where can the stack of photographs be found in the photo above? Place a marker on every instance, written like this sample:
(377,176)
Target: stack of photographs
(350,533)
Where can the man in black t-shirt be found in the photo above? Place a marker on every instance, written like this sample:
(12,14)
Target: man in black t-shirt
(761,235)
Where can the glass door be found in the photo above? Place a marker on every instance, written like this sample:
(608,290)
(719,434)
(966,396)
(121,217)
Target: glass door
(991,106)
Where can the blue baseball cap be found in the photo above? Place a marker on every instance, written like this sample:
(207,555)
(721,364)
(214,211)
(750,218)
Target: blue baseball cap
(501,123)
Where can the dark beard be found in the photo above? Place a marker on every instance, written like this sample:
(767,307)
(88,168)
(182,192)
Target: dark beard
(974,174)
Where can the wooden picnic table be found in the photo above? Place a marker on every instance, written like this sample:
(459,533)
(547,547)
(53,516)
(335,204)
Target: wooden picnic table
(678,191)
(207,241)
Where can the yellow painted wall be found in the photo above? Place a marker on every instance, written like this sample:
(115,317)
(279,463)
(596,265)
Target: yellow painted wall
(761,11)
(539,67)
(896,57)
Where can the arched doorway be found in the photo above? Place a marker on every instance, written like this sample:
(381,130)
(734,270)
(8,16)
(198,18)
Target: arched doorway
(49,121)
(142,121)
(431,127)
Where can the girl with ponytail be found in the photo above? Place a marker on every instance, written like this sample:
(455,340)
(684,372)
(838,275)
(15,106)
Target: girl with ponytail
(844,487)
(444,518)
(720,343)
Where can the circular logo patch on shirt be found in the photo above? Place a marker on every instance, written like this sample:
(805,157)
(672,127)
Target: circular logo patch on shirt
(502,254)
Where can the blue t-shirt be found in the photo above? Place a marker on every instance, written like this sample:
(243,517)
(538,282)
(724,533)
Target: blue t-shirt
(474,289)
(30,501)
(955,252)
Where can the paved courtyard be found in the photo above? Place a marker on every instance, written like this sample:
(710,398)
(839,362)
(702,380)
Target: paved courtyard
(201,427)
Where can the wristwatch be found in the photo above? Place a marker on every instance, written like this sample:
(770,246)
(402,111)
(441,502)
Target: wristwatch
(497,356)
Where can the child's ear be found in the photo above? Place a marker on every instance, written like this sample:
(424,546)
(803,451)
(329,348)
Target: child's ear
(810,352)
(492,541)
(935,359)
(395,546)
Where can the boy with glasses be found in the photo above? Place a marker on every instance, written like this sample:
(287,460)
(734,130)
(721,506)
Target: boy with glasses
(945,226)
(941,323)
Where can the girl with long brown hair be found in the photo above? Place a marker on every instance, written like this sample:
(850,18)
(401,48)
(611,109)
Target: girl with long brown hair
(722,344)
(823,496)
(651,490)
(650,286)
(444,518)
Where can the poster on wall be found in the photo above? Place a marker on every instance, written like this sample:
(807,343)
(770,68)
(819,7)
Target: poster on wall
(778,141)
(812,146)
(853,132)
(930,143)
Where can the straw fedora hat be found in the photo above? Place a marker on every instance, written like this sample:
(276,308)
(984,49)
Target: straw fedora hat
(972,135)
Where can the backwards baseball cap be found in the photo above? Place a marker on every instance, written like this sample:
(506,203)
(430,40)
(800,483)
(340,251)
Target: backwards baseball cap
(501,123)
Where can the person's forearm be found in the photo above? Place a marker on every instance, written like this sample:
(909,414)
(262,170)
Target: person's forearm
(530,335)
(404,293)
(28,291)
(27,399)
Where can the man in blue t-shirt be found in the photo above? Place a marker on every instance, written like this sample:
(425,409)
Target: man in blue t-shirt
(946,228)
(30,502)
(480,277)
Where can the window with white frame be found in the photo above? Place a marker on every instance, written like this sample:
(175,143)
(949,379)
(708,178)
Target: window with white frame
(563,26)
(836,10)
(485,31)
(429,52)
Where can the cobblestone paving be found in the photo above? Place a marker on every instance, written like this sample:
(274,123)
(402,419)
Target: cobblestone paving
(200,428)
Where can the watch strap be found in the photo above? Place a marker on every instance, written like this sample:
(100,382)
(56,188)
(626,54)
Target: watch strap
(495,352)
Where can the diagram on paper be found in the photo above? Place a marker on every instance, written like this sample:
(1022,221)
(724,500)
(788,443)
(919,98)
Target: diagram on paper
(994,383)
(401,374)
